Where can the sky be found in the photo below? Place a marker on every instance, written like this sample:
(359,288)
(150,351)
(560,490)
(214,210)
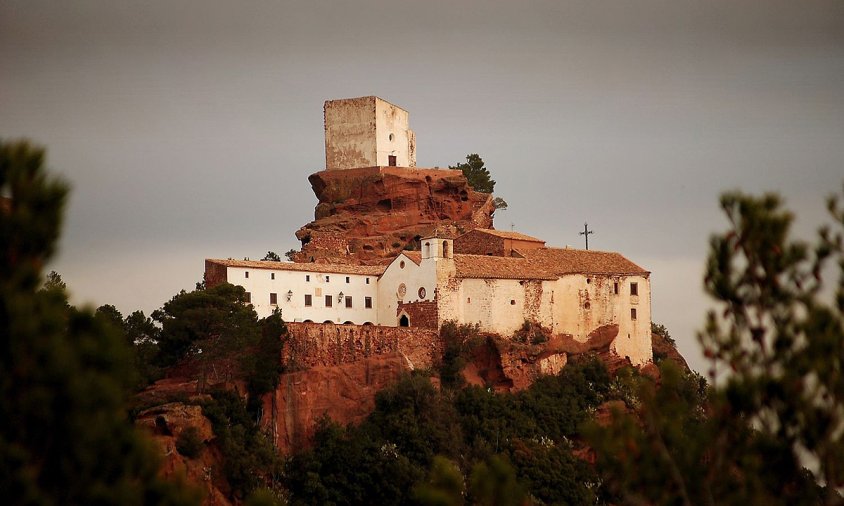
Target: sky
(187,129)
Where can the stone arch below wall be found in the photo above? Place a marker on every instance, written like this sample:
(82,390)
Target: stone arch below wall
(404,320)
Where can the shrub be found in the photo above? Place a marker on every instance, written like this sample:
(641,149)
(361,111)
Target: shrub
(189,443)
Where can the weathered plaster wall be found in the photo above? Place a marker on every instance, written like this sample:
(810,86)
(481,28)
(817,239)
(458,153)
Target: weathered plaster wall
(325,344)
(350,133)
(393,136)
(592,302)
(365,132)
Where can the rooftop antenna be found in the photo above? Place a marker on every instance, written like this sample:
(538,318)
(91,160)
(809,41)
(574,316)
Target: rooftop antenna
(586,233)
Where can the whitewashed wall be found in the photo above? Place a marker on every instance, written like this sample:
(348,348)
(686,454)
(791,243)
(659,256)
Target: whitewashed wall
(259,284)
(413,277)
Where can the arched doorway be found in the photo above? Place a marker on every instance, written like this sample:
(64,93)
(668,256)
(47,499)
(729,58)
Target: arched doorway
(404,321)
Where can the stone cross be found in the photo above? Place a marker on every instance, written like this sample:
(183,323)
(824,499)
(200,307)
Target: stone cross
(586,233)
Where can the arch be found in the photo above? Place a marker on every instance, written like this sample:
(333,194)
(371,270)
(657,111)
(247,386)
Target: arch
(404,321)
(328,321)
(445,249)
(347,322)
(308,321)
(367,323)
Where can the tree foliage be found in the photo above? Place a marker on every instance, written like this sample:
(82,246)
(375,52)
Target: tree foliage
(475,172)
(272,256)
(770,429)
(64,434)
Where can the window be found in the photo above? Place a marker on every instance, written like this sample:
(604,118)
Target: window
(391,160)
(367,302)
(512,302)
(247,297)
(247,274)
(308,300)
(273,299)
(634,288)
(588,281)
(347,279)
(272,275)
(422,292)
(445,249)
(327,279)
(329,301)
(367,281)
(348,301)
(307,277)
(633,313)
(615,288)
(401,264)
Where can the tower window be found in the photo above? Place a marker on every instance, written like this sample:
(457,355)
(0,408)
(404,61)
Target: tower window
(615,288)
(634,288)
(633,313)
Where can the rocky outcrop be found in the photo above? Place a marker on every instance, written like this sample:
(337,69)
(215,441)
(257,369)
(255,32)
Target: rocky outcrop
(369,215)
(345,393)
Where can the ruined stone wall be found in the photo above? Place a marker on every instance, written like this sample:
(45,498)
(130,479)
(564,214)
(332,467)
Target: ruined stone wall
(326,344)
(215,274)
(422,314)
(350,133)
(478,243)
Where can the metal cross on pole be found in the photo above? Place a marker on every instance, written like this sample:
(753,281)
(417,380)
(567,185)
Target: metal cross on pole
(586,233)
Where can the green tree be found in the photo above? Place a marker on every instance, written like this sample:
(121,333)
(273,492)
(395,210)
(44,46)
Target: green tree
(477,175)
(444,485)
(272,256)
(64,434)
(769,430)
(208,325)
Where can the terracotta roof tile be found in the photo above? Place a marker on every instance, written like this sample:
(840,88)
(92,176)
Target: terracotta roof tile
(509,235)
(415,256)
(578,261)
(370,270)
(494,267)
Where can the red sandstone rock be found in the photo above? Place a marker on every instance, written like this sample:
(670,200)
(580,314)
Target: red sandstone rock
(346,393)
(370,214)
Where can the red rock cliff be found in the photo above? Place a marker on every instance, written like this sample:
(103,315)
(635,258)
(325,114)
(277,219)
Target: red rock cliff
(368,215)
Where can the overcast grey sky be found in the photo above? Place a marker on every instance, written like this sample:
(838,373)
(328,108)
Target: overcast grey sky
(188,128)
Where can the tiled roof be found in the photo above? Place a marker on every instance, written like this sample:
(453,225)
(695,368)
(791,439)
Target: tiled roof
(415,256)
(368,270)
(494,267)
(509,235)
(561,261)
(544,263)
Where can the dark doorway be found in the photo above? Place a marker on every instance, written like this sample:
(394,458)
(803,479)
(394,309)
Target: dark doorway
(391,160)
(404,321)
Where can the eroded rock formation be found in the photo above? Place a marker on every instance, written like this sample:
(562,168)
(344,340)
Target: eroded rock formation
(369,215)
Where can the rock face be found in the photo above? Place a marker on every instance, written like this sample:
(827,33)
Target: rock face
(346,393)
(368,215)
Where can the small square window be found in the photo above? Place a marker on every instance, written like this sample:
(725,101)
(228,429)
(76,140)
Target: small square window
(246,274)
(633,313)
(247,297)
(273,299)
(634,288)
(307,277)
(347,279)
(327,279)
(348,301)
(367,302)
(512,302)
(367,281)
(329,301)
(272,275)
(308,300)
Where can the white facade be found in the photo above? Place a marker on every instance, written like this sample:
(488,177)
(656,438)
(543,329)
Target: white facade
(433,286)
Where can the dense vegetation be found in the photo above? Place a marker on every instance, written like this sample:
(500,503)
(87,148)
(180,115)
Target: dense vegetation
(488,446)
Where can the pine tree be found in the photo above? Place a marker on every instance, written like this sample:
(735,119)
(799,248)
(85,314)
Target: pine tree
(64,433)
